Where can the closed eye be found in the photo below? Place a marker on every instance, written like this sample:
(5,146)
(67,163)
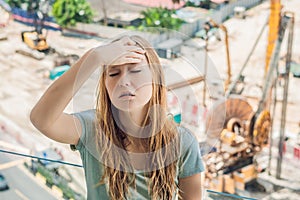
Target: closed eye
(135,71)
(113,74)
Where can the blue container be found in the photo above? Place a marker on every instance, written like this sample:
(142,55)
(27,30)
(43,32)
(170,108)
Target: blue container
(58,71)
(177,118)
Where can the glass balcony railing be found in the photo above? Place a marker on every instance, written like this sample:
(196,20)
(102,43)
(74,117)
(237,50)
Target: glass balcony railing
(213,195)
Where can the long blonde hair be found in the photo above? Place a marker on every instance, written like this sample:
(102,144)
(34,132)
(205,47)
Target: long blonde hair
(161,184)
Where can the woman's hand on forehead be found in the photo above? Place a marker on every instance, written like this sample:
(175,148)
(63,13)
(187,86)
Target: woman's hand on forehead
(120,52)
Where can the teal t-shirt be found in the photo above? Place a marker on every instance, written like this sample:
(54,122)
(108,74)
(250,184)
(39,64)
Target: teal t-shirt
(189,161)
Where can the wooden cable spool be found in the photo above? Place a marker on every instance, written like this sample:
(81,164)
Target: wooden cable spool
(262,127)
(233,111)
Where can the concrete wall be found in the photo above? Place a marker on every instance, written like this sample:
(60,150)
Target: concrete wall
(187,30)
(218,16)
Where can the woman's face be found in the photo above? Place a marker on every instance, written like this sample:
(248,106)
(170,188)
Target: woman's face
(129,86)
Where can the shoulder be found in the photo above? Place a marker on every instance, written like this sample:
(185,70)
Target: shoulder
(87,115)
(87,119)
(88,128)
(188,143)
(186,136)
(190,161)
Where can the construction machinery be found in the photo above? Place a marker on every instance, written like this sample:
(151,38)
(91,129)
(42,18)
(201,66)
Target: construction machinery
(236,137)
(36,39)
(236,131)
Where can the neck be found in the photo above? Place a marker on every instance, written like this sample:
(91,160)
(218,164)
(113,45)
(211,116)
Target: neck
(132,122)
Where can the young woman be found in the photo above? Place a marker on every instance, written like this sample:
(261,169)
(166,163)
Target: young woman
(130,147)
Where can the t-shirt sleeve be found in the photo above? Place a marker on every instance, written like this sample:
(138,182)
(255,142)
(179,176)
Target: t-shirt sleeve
(87,121)
(190,161)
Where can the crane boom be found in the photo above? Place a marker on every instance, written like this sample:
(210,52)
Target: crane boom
(274,21)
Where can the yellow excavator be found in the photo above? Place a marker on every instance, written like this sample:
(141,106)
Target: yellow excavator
(36,39)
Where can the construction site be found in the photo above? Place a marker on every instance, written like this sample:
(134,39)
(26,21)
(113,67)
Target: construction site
(242,101)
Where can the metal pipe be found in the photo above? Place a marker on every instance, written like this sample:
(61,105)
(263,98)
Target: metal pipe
(288,60)
(271,131)
(227,83)
(273,64)
(205,71)
(104,10)
(232,86)
(224,29)
(185,83)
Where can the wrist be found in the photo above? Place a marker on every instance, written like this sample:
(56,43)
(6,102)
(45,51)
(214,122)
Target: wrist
(95,56)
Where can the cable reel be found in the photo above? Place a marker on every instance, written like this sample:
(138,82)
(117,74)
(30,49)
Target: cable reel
(261,129)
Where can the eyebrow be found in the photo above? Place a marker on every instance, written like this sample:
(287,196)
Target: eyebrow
(112,67)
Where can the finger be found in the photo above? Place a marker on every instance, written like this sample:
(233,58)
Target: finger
(140,51)
(136,49)
(127,41)
(135,55)
(126,60)
(132,54)
(132,60)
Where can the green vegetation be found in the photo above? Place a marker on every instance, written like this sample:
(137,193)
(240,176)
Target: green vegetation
(161,18)
(17,3)
(65,12)
(69,12)
(47,174)
(52,178)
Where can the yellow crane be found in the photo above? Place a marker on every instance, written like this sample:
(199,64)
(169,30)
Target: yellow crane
(274,21)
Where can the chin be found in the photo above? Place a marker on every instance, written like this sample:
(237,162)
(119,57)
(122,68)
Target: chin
(130,106)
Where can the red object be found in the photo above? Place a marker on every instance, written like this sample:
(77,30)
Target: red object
(297,152)
(195,109)
(157,3)
(218,1)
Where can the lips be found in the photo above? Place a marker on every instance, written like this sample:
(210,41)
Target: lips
(126,94)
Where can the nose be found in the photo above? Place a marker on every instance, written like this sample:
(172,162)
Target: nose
(124,79)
